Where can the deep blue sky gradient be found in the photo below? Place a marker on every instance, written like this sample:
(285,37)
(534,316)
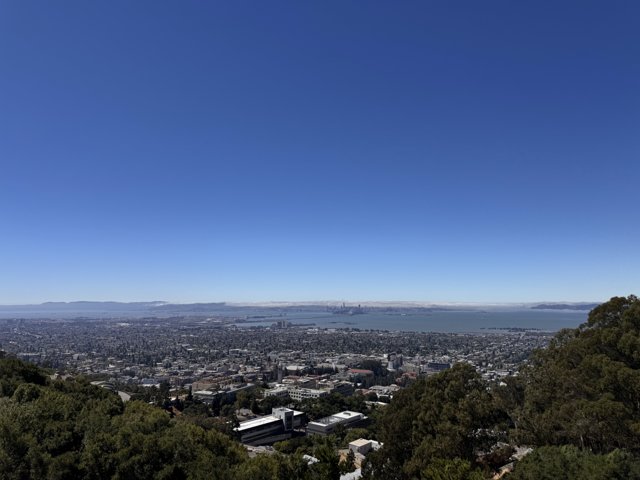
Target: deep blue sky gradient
(196,151)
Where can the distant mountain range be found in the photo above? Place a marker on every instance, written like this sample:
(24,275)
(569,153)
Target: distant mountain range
(565,306)
(158,308)
(90,304)
(111,309)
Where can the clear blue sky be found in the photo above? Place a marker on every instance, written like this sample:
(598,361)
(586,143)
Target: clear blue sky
(202,151)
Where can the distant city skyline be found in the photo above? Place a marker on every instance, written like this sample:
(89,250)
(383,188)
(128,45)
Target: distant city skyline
(286,151)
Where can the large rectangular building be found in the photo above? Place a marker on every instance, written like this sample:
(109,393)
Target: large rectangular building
(327,425)
(228,393)
(271,428)
(305,393)
(295,392)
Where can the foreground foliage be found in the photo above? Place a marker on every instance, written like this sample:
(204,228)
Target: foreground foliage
(569,462)
(71,429)
(447,416)
(584,390)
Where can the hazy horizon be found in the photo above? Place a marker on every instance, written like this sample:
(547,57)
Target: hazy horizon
(275,303)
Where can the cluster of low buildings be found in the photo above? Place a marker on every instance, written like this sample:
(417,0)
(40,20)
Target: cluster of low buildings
(283,423)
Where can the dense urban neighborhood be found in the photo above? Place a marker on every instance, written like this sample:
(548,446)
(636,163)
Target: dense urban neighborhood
(206,354)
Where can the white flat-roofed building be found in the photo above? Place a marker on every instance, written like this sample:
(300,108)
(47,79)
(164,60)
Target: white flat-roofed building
(363,446)
(279,391)
(327,425)
(296,393)
(271,428)
(360,445)
(304,393)
(205,395)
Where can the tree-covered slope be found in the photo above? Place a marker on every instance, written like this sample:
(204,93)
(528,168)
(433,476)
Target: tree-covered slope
(579,399)
(53,429)
(437,425)
(584,390)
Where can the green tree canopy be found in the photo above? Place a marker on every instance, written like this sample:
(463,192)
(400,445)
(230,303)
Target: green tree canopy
(447,416)
(570,463)
(584,389)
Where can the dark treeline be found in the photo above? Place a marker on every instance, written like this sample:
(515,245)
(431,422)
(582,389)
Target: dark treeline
(577,403)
